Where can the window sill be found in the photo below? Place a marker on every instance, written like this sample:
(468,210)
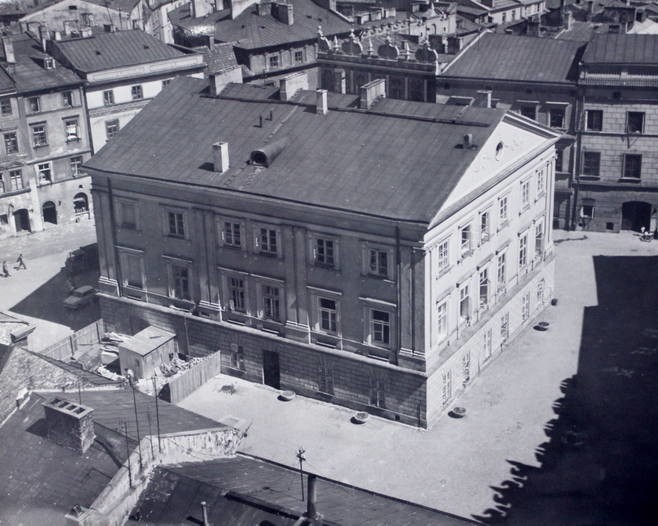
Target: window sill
(444,271)
(174,236)
(525,208)
(634,180)
(503,224)
(37,146)
(268,254)
(325,266)
(77,139)
(231,247)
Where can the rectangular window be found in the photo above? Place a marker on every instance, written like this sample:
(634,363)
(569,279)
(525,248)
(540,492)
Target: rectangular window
(236,295)
(132,270)
(523,251)
(487,341)
(11,142)
(176,221)
(34,105)
(108,97)
(299,57)
(232,234)
(39,135)
(529,111)
(446,387)
(502,209)
(271,303)
(501,273)
(166,83)
(2,185)
(464,303)
(635,122)
(327,315)
(442,320)
(484,289)
(180,282)
(71,129)
(594,120)
(556,117)
(325,252)
(540,183)
(75,163)
(67,99)
(525,193)
(15,180)
(273,61)
(465,235)
(443,256)
(485,226)
(5,107)
(632,166)
(378,262)
(268,242)
(380,327)
(504,327)
(587,211)
(128,215)
(539,239)
(591,163)
(237,357)
(44,172)
(525,306)
(137,92)
(559,159)
(111,128)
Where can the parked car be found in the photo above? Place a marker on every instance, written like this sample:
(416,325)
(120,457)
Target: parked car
(80,297)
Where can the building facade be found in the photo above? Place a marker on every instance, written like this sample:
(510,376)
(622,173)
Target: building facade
(617,184)
(122,71)
(45,142)
(338,261)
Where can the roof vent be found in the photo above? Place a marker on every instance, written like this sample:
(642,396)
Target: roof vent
(468,141)
(265,155)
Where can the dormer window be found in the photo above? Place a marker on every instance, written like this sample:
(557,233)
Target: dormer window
(49,63)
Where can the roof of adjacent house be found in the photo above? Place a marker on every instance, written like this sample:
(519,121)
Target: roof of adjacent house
(30,74)
(249,30)
(622,49)
(399,160)
(498,56)
(220,58)
(245,490)
(6,84)
(114,49)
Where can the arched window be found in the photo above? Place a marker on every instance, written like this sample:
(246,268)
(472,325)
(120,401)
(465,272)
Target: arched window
(80,203)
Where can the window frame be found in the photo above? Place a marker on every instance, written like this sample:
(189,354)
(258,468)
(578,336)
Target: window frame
(179,230)
(34,104)
(503,204)
(126,254)
(75,163)
(588,164)
(319,310)
(443,256)
(380,249)
(486,283)
(442,320)
(466,243)
(485,226)
(588,123)
(635,114)
(465,299)
(258,240)
(523,250)
(39,138)
(14,142)
(562,115)
(108,97)
(525,193)
(110,133)
(387,327)
(173,266)
(41,171)
(237,286)
(625,167)
(318,238)
(123,203)
(273,61)
(72,121)
(16,174)
(264,296)
(4,104)
(137,92)
(67,99)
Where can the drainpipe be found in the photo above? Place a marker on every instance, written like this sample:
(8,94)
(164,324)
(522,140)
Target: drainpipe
(204,513)
(115,250)
(580,115)
(398,297)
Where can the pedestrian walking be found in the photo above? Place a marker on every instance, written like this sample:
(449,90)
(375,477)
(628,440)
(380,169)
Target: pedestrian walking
(21,263)
(5,269)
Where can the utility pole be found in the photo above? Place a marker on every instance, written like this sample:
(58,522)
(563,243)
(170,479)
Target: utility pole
(130,473)
(157,413)
(302,459)
(139,443)
(148,416)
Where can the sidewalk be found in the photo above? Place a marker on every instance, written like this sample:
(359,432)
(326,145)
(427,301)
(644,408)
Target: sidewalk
(454,466)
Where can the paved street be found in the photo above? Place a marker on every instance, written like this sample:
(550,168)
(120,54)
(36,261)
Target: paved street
(36,294)
(456,465)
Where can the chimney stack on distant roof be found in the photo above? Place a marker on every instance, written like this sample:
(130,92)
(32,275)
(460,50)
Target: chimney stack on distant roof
(483,98)
(371,93)
(220,157)
(291,84)
(70,425)
(8,50)
(283,12)
(321,104)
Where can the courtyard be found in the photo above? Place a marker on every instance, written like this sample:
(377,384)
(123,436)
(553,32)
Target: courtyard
(476,466)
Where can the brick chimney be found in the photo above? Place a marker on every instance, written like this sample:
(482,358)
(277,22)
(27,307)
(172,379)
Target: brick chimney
(8,50)
(483,98)
(321,104)
(220,157)
(220,79)
(371,93)
(291,84)
(283,12)
(69,425)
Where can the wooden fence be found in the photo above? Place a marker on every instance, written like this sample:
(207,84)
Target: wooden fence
(189,381)
(78,341)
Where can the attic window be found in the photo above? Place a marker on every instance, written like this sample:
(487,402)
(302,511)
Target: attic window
(499,150)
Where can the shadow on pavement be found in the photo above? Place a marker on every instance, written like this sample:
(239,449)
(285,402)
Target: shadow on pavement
(599,464)
(47,302)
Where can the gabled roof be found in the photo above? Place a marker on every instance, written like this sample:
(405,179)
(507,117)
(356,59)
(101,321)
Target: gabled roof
(245,490)
(249,30)
(399,160)
(30,74)
(622,49)
(520,58)
(113,50)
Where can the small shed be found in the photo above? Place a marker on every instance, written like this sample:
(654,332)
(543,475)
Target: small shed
(144,352)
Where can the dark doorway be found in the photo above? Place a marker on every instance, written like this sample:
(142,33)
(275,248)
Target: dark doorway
(271,374)
(49,212)
(22,220)
(635,215)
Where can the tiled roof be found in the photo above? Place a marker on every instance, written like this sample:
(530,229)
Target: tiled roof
(125,6)
(399,160)
(622,49)
(114,50)
(221,58)
(29,73)
(244,490)
(251,31)
(519,58)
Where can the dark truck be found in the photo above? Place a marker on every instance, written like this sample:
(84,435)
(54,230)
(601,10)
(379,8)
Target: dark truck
(82,259)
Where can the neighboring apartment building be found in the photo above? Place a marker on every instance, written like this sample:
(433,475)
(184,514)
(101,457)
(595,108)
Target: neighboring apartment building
(500,12)
(373,252)
(617,183)
(122,71)
(532,76)
(270,39)
(44,141)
